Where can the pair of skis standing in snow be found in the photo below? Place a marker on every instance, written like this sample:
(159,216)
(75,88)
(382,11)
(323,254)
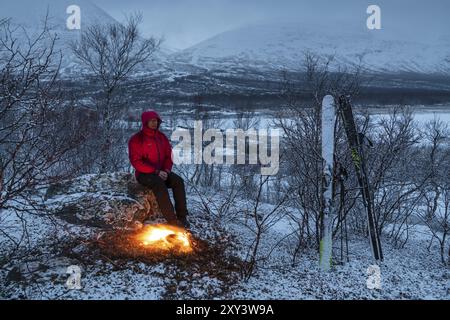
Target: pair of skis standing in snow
(330,113)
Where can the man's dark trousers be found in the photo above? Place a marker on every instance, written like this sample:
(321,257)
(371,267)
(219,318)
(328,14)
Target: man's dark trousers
(160,189)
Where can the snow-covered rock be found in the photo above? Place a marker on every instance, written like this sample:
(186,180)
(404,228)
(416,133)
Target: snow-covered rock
(112,200)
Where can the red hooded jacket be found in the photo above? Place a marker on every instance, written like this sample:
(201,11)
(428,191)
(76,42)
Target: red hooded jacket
(149,150)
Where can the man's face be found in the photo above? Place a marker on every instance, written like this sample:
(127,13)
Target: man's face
(153,124)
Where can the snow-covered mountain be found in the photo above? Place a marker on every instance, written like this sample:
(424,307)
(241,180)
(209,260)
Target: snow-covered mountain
(274,45)
(264,46)
(31,15)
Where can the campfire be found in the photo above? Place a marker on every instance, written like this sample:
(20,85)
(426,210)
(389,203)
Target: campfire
(175,247)
(165,238)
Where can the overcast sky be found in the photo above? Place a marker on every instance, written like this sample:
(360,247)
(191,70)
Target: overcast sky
(187,22)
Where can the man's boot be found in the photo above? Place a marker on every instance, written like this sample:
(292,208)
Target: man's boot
(185,222)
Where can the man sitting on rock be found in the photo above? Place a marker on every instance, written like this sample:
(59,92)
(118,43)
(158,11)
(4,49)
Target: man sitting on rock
(150,154)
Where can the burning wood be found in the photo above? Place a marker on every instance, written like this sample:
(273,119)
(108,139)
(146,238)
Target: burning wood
(165,238)
(175,247)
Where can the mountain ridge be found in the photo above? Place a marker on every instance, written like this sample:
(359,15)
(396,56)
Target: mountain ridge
(283,45)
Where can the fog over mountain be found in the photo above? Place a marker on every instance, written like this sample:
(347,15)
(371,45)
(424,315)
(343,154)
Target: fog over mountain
(187,22)
(263,35)
(278,44)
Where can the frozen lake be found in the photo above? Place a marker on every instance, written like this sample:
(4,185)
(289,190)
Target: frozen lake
(265,118)
(422,114)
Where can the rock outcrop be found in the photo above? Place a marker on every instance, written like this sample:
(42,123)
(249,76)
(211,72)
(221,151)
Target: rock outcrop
(113,200)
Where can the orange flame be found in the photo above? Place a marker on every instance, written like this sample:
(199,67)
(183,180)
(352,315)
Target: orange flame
(165,237)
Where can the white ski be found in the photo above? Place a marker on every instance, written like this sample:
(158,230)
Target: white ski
(328,126)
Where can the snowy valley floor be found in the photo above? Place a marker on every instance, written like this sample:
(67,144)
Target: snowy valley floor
(409,273)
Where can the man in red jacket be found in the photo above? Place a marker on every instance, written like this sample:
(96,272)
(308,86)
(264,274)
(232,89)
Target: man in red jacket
(150,154)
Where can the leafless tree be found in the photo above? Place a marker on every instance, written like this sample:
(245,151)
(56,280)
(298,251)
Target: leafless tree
(394,141)
(259,221)
(435,212)
(301,125)
(112,53)
(396,193)
(245,176)
(204,174)
(33,144)
(221,206)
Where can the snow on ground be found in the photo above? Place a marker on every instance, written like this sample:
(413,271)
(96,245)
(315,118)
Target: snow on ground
(409,273)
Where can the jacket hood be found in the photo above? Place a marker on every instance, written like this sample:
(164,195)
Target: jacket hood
(149,115)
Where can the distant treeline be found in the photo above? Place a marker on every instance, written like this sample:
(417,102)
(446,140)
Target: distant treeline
(252,94)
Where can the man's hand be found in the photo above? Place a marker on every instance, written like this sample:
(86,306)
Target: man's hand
(163,175)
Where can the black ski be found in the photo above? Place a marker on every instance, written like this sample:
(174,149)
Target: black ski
(357,154)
